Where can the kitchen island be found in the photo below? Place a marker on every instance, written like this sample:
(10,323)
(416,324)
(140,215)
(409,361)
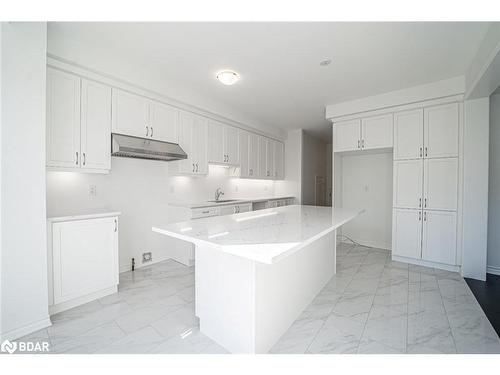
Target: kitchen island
(257,271)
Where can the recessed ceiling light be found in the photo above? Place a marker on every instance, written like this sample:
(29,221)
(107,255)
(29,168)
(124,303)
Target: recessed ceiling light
(228,77)
(325,62)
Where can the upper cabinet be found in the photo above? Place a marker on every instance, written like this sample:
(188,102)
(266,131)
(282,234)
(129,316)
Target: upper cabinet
(279,157)
(261,157)
(363,134)
(431,132)
(78,123)
(223,144)
(142,117)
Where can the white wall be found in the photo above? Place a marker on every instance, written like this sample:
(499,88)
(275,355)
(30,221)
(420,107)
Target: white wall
(329,174)
(493,259)
(313,164)
(143,190)
(475,198)
(366,181)
(24,250)
(291,186)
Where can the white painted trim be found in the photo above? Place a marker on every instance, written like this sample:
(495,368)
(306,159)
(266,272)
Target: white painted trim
(493,270)
(54,309)
(371,244)
(426,263)
(107,79)
(26,330)
(434,90)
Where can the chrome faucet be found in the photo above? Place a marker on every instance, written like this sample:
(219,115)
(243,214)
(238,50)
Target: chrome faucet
(218,193)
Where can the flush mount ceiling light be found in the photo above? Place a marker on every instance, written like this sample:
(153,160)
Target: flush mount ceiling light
(325,62)
(228,77)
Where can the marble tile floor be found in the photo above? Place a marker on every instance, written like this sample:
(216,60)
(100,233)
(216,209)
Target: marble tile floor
(372,305)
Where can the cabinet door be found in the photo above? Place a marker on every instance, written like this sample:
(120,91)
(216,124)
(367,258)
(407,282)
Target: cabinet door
(231,145)
(279,153)
(216,142)
(96,125)
(85,257)
(253,155)
(346,135)
(407,233)
(227,210)
(243,150)
(244,207)
(439,241)
(441,131)
(407,188)
(164,122)
(262,157)
(186,124)
(130,114)
(440,184)
(269,158)
(408,134)
(376,132)
(200,141)
(63,119)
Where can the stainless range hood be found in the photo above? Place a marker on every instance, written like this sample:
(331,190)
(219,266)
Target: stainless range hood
(144,148)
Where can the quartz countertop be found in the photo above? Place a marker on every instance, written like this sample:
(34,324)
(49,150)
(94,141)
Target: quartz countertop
(265,236)
(233,201)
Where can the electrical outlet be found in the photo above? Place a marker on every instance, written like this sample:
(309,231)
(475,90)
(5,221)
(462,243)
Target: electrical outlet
(92,190)
(147,257)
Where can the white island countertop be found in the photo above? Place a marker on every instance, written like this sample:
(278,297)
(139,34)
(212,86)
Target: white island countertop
(265,236)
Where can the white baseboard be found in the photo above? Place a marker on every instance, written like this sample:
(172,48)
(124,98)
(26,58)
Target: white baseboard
(375,245)
(63,306)
(426,263)
(17,333)
(493,270)
(128,267)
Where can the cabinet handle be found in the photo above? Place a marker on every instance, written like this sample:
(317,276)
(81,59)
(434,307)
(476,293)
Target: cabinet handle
(193,167)
(425,151)
(419,202)
(151,132)
(76,158)
(425,202)
(362,143)
(196,167)
(205,212)
(359,143)
(147,131)
(84,158)
(116,225)
(420,152)
(419,215)
(227,158)
(251,171)
(425,215)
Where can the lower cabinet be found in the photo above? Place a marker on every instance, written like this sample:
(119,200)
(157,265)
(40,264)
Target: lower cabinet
(427,235)
(83,261)
(235,209)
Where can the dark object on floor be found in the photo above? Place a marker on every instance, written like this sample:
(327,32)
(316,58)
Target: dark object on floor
(487,294)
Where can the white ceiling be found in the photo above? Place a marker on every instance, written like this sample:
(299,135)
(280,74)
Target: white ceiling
(282,83)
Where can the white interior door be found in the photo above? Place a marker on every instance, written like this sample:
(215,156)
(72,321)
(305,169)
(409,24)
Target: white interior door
(441,131)
(130,114)
(63,119)
(164,122)
(85,257)
(408,134)
(279,156)
(231,145)
(408,183)
(439,241)
(216,142)
(346,135)
(440,184)
(377,132)
(253,155)
(407,233)
(96,125)
(243,151)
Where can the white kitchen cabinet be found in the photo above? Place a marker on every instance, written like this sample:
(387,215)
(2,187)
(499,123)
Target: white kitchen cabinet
(83,261)
(163,122)
(408,134)
(263,172)
(223,144)
(63,119)
(439,236)
(95,131)
(78,123)
(235,209)
(407,233)
(130,114)
(347,135)
(377,132)
(253,155)
(193,135)
(269,158)
(408,183)
(440,184)
(243,140)
(279,157)
(441,131)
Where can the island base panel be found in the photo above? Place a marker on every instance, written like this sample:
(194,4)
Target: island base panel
(246,306)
